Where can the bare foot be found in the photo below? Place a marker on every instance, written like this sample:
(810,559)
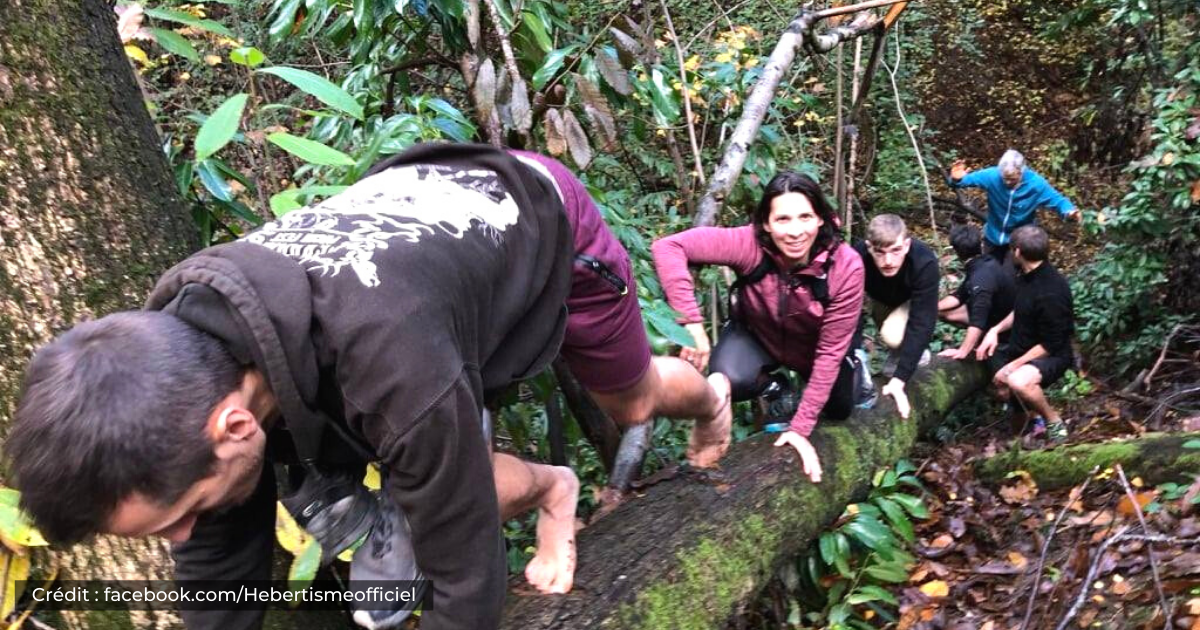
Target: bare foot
(552,569)
(710,439)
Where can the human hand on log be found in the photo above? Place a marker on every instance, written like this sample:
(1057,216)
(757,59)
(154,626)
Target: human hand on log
(808,455)
(895,389)
(988,346)
(697,356)
(958,354)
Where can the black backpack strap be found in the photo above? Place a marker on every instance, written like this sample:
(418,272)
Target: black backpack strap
(756,274)
(819,285)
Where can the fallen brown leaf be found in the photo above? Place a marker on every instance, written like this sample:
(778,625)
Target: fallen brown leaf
(1125,506)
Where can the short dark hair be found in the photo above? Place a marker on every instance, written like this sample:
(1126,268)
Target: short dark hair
(1032,241)
(114,407)
(792,182)
(966,241)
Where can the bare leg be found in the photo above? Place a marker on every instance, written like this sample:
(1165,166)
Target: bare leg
(671,387)
(554,491)
(957,315)
(1025,382)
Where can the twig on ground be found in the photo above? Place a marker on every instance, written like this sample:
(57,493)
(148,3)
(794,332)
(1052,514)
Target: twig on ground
(1091,575)
(1037,575)
(1162,355)
(1137,508)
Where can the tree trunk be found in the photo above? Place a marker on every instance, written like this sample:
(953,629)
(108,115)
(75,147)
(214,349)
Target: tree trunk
(88,215)
(696,547)
(1155,457)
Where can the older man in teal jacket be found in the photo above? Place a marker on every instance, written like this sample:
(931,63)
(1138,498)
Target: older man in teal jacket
(1014,193)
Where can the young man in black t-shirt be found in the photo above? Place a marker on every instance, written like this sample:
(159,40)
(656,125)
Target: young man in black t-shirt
(985,296)
(1042,322)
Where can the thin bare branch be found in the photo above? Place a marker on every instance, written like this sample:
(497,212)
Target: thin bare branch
(1137,507)
(686,92)
(1037,575)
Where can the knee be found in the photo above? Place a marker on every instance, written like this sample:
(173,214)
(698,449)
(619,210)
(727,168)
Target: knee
(633,408)
(1023,382)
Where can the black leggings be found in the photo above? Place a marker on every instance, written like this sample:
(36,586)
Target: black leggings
(742,359)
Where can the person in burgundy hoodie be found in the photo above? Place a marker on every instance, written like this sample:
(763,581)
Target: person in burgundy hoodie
(803,313)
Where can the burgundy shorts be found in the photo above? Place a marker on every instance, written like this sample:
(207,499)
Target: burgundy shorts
(605,344)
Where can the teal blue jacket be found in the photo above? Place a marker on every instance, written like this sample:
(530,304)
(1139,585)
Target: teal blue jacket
(1010,208)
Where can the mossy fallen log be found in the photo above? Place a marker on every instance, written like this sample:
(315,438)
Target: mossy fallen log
(1155,457)
(693,549)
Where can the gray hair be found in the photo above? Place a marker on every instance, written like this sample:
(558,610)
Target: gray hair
(1012,161)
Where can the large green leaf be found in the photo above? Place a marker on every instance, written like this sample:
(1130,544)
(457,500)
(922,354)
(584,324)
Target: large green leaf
(213,181)
(662,319)
(220,127)
(180,17)
(871,593)
(285,18)
(554,62)
(309,150)
(318,86)
(893,572)
(896,516)
(537,27)
(175,44)
(913,504)
(662,99)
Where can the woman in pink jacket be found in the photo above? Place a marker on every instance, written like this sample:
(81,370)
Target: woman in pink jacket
(798,306)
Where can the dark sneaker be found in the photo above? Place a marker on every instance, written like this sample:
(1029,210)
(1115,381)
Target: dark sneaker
(1056,432)
(335,508)
(386,559)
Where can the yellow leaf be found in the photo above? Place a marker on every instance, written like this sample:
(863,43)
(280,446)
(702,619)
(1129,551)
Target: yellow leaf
(1168,158)
(212,60)
(371,479)
(1136,482)
(1017,560)
(936,588)
(291,536)
(852,509)
(16,569)
(137,54)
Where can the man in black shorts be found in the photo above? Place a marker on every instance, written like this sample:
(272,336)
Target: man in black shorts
(1042,322)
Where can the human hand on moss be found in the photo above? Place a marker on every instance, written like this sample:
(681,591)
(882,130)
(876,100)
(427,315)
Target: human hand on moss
(808,455)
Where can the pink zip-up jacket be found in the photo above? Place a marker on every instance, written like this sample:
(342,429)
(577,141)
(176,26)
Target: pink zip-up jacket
(809,338)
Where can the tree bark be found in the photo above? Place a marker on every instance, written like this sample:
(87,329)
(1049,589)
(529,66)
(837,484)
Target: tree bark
(88,214)
(89,217)
(1155,457)
(695,547)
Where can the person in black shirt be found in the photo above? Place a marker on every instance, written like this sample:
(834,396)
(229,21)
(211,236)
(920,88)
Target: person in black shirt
(985,296)
(902,284)
(1042,323)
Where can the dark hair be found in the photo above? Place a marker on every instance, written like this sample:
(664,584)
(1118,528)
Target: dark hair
(116,406)
(966,241)
(1032,241)
(793,182)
